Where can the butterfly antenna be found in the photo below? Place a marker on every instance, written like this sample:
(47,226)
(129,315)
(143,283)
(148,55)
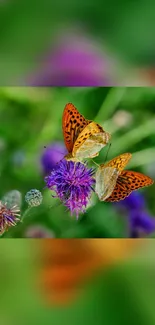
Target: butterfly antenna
(95,163)
(107,153)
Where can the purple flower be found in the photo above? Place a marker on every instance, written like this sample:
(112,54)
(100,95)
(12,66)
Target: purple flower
(134,201)
(74,61)
(141,224)
(8,217)
(73,184)
(51,156)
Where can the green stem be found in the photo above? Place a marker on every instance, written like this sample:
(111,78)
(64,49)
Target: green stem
(26,213)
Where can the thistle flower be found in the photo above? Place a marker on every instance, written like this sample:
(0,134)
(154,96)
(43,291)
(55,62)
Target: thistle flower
(8,217)
(141,224)
(51,156)
(33,198)
(73,184)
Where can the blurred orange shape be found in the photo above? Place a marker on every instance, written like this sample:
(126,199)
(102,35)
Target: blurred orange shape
(68,263)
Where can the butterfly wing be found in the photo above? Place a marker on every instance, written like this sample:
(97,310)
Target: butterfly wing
(107,175)
(72,124)
(90,141)
(106,179)
(119,162)
(127,182)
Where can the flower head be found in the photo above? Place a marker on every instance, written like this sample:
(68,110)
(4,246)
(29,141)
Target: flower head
(33,198)
(73,184)
(141,224)
(8,217)
(51,156)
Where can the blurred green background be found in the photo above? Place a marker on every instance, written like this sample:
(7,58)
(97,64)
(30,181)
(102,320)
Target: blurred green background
(30,118)
(30,30)
(121,294)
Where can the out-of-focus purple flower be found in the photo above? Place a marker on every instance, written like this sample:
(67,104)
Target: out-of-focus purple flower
(141,224)
(74,61)
(135,201)
(51,156)
(8,217)
(38,231)
(73,184)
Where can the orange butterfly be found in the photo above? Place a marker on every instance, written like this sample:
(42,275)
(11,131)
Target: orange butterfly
(83,138)
(113,183)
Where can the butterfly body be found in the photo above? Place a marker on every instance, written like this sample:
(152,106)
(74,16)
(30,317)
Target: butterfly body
(83,138)
(121,182)
(69,157)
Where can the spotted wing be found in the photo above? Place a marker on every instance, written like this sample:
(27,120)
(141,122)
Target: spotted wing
(72,124)
(127,182)
(90,141)
(119,162)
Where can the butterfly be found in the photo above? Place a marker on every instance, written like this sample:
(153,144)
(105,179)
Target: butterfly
(83,138)
(113,183)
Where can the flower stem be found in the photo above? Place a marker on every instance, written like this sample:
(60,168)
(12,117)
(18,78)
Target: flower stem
(26,213)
